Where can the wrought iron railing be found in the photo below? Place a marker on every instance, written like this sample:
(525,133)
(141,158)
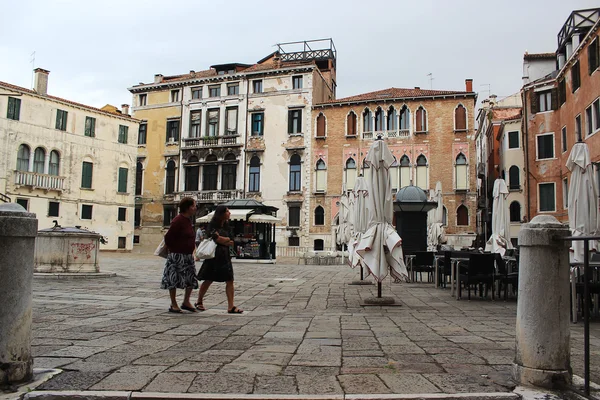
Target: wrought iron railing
(39,181)
(4,198)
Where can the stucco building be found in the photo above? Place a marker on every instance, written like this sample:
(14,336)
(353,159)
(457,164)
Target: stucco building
(68,162)
(431,135)
(561,108)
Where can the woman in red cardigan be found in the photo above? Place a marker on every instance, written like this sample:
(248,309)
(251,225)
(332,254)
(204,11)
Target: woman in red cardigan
(180,268)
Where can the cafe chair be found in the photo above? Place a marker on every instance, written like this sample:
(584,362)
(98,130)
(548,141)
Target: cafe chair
(423,262)
(505,278)
(479,271)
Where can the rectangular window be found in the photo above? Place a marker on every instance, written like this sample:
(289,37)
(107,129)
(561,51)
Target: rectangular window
(61,120)
(142,133)
(295,121)
(565,185)
(578,128)
(174,96)
(137,217)
(294,241)
(575,76)
(545,146)
(122,214)
(122,186)
(233,89)
(563,134)
(297,82)
(513,140)
(589,123)
(122,242)
(87,171)
(14,109)
(196,93)
(231,120)
(593,56)
(545,101)
(596,112)
(123,132)
(169,212)
(257,86)
(214,91)
(212,125)
(294,215)
(195,122)
(136,239)
(23,203)
(547,197)
(258,123)
(173,130)
(86,211)
(142,99)
(90,127)
(562,91)
(53,208)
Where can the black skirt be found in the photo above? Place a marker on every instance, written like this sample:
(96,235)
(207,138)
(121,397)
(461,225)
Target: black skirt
(218,269)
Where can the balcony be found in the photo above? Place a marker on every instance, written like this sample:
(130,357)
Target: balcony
(210,141)
(39,181)
(210,196)
(392,134)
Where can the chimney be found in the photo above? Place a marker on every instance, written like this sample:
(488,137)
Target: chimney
(417,87)
(125,109)
(41,81)
(158,78)
(469,85)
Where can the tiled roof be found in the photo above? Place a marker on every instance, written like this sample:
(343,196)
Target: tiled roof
(507,113)
(539,56)
(396,93)
(197,74)
(73,103)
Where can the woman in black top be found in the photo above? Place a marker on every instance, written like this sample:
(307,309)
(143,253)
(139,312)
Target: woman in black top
(219,268)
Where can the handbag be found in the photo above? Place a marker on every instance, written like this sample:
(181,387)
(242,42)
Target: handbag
(206,249)
(161,250)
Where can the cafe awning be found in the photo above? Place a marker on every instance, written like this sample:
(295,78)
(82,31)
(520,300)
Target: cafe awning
(267,219)
(236,215)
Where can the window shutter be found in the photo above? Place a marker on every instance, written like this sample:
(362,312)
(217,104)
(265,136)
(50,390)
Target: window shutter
(419,117)
(534,102)
(592,56)
(122,180)
(460,118)
(290,121)
(461,177)
(554,98)
(321,126)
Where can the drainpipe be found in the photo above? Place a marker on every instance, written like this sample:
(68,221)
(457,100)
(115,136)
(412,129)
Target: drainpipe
(526,147)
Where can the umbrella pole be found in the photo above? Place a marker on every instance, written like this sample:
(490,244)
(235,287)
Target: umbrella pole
(361,272)
(378,290)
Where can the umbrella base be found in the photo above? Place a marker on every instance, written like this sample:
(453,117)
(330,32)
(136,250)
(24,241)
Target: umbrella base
(361,283)
(379,301)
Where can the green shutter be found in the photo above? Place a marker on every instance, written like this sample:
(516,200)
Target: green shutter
(122,180)
(14,108)
(86,175)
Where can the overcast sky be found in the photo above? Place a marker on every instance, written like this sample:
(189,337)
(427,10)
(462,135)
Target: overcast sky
(96,50)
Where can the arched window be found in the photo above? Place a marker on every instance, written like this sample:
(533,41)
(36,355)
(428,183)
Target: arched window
(404,171)
(295,173)
(460,118)
(378,119)
(39,158)
(170,181)
(319,244)
(461,172)
(192,175)
(254,175)
(515,211)
(366,164)
(321,176)
(54,165)
(393,171)
(404,118)
(229,172)
(514,180)
(350,173)
(445,216)
(421,119)
(210,172)
(367,120)
(351,124)
(23,158)
(422,174)
(139,175)
(392,124)
(321,125)
(462,215)
(319,216)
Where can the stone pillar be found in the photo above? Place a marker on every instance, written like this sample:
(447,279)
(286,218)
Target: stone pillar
(542,336)
(18,229)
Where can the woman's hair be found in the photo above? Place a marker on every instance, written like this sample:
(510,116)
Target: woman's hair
(219,217)
(185,204)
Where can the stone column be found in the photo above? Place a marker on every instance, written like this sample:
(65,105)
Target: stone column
(18,229)
(542,336)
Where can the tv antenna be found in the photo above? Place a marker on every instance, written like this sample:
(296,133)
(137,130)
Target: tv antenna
(431,78)
(489,88)
(32,61)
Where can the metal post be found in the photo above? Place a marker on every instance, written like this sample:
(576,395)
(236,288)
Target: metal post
(586,315)
(379,290)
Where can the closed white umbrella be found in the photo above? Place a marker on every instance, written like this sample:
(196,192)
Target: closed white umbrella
(361,218)
(380,246)
(583,198)
(435,232)
(500,239)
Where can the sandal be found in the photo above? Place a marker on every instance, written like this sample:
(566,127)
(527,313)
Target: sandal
(199,307)
(173,310)
(235,310)
(190,309)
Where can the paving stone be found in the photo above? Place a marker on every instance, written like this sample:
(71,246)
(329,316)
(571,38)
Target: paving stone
(228,382)
(353,384)
(408,383)
(251,369)
(76,351)
(462,383)
(171,382)
(217,356)
(124,381)
(275,385)
(72,380)
(191,366)
(261,357)
(320,384)
(52,362)
(458,359)
(168,358)
(85,366)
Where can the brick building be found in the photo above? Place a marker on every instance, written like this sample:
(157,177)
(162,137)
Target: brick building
(561,108)
(430,133)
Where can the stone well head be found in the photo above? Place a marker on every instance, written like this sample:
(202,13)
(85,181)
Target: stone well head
(67,250)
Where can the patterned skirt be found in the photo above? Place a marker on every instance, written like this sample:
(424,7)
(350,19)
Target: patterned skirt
(179,272)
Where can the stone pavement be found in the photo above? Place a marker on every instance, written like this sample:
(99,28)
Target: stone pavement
(303,332)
